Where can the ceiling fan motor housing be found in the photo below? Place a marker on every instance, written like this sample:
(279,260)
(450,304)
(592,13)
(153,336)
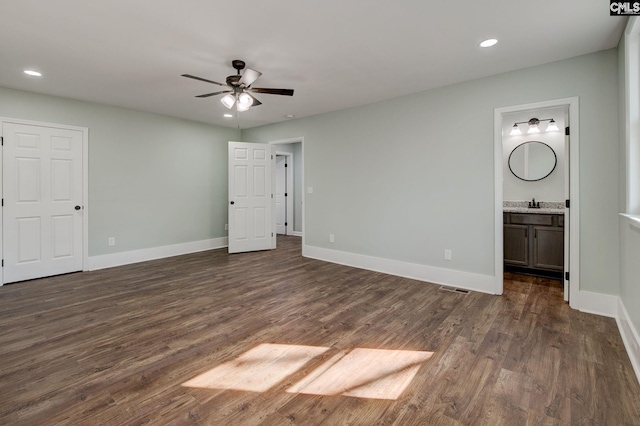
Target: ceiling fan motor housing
(238,64)
(233,80)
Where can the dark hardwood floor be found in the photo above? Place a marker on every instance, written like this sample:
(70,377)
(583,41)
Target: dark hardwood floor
(115,346)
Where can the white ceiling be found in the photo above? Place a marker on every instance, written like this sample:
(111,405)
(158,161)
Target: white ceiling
(335,54)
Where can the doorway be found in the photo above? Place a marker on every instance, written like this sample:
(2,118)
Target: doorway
(565,185)
(293,148)
(284,189)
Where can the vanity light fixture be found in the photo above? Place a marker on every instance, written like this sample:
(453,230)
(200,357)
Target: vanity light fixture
(534,126)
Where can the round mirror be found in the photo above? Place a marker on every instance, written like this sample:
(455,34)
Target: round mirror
(532,160)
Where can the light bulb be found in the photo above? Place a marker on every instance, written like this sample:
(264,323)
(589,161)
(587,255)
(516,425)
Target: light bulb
(515,131)
(533,128)
(242,107)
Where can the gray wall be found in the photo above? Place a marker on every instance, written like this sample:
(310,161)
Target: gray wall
(153,180)
(406,178)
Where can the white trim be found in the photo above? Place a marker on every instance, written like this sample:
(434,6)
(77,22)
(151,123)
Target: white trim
(597,303)
(296,234)
(85,181)
(630,337)
(574,190)
(299,139)
(430,274)
(632,104)
(634,220)
(143,255)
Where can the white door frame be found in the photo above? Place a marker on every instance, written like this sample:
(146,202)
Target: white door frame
(85,183)
(574,190)
(288,189)
(299,139)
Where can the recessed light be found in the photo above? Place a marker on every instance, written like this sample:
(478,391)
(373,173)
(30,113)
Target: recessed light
(33,73)
(228,115)
(489,42)
(289,116)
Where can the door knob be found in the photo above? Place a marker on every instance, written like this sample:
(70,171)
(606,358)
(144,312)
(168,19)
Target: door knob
(233,202)
(77,207)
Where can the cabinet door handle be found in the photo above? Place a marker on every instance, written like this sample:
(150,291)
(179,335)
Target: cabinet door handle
(535,233)
(526,232)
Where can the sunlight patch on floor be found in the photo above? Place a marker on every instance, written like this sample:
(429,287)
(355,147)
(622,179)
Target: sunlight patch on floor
(364,373)
(360,372)
(258,369)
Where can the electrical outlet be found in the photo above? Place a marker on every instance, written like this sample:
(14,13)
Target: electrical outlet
(226,226)
(447,254)
(309,189)
(112,241)
(331,238)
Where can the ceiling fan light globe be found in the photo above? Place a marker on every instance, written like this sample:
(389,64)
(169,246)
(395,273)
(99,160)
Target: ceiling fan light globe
(228,100)
(245,100)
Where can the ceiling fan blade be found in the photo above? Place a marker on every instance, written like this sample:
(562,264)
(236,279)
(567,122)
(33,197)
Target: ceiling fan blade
(202,79)
(285,92)
(255,101)
(213,94)
(249,76)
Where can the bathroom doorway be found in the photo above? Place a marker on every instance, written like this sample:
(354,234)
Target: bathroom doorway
(536,179)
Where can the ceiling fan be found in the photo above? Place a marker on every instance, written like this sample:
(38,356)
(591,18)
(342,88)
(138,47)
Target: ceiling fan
(239,90)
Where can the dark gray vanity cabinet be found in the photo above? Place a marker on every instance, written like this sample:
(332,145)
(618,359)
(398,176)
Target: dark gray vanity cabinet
(534,243)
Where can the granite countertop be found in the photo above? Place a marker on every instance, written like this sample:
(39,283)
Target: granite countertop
(546,207)
(533,211)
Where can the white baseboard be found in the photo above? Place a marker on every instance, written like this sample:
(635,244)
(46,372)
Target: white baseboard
(296,234)
(630,337)
(135,256)
(448,277)
(598,303)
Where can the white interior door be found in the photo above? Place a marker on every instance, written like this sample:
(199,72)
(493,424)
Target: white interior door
(251,201)
(43,199)
(281,190)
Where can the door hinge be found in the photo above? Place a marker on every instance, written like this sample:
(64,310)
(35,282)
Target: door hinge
(2,205)
(285,194)
(566,275)
(286,165)
(567,132)
(272,234)
(272,157)
(567,203)
(3,263)
(2,140)
(271,195)
(285,224)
